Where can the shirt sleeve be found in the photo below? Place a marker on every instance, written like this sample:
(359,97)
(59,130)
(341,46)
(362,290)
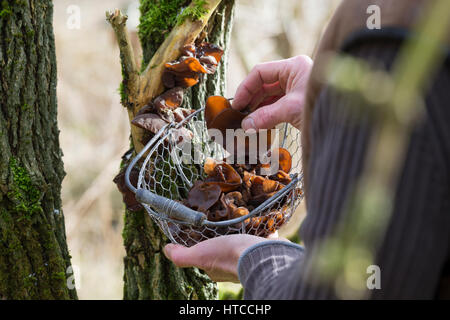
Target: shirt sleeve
(262,263)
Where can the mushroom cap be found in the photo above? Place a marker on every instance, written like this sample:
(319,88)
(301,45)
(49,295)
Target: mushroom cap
(169,100)
(153,123)
(149,121)
(185,79)
(282,177)
(181,113)
(220,115)
(185,64)
(146,109)
(284,160)
(261,188)
(209,166)
(210,49)
(223,175)
(188,50)
(203,196)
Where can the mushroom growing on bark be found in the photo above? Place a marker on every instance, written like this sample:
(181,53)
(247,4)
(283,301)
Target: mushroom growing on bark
(185,72)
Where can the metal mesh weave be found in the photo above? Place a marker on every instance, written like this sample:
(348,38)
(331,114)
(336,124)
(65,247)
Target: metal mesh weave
(168,170)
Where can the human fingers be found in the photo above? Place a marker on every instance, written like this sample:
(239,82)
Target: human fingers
(264,73)
(287,109)
(267,90)
(179,255)
(220,264)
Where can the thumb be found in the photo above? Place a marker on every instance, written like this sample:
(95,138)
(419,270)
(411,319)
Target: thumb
(269,116)
(181,256)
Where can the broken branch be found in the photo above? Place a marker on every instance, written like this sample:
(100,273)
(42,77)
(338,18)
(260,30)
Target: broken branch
(118,22)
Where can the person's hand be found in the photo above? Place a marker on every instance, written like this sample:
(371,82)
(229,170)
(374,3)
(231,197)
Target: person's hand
(275,92)
(218,256)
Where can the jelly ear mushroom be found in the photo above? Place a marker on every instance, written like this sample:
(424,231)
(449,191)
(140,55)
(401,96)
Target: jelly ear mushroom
(233,203)
(181,113)
(220,115)
(153,123)
(203,196)
(185,64)
(210,50)
(282,177)
(240,212)
(215,105)
(209,166)
(209,56)
(262,189)
(184,80)
(284,160)
(223,175)
(169,100)
(184,72)
(270,186)
(149,108)
(149,121)
(236,198)
(189,50)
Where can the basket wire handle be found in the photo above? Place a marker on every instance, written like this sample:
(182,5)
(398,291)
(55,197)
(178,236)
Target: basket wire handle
(139,156)
(172,209)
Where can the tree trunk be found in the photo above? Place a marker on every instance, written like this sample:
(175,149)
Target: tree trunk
(148,274)
(34,258)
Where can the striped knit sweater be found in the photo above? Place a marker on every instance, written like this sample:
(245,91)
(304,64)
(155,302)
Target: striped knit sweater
(414,254)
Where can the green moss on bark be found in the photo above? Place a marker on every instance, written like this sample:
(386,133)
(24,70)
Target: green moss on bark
(196,12)
(25,196)
(5,10)
(158,17)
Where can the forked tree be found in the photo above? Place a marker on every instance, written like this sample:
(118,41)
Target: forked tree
(165,27)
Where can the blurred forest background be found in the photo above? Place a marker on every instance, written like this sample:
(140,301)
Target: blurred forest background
(94,126)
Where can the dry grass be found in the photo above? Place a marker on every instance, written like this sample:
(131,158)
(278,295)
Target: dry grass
(94,126)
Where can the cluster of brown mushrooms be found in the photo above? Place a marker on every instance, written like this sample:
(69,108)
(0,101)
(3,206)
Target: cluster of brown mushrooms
(231,191)
(177,76)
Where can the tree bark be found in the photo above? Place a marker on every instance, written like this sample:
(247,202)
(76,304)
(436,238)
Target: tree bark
(34,258)
(148,274)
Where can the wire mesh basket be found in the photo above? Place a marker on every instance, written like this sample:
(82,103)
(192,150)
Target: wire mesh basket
(174,159)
